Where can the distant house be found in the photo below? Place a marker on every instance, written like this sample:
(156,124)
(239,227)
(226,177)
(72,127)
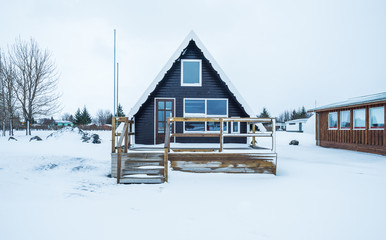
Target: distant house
(190,85)
(296,125)
(63,123)
(355,124)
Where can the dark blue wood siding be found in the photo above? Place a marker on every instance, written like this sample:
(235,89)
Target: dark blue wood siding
(170,87)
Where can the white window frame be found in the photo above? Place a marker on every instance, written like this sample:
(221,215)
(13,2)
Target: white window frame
(205,115)
(199,84)
(378,128)
(353,119)
(337,121)
(238,127)
(340,120)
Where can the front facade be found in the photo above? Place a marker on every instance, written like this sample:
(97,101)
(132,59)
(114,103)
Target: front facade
(190,85)
(356,124)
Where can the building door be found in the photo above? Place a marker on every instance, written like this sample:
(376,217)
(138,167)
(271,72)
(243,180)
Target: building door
(300,127)
(164,109)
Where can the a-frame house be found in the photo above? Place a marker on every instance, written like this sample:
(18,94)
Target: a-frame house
(191,84)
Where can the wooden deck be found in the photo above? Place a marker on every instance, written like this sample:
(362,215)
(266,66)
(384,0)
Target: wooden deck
(150,164)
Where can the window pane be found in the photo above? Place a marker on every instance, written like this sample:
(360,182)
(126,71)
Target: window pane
(169,114)
(213,126)
(169,105)
(359,118)
(195,126)
(216,107)
(235,127)
(161,116)
(333,120)
(161,127)
(345,119)
(191,72)
(161,105)
(377,117)
(195,106)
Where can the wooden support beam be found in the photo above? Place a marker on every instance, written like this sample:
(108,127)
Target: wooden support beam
(126,135)
(113,135)
(253,138)
(119,162)
(166,165)
(221,134)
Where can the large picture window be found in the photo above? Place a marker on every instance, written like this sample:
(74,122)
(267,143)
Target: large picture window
(377,118)
(359,118)
(332,120)
(197,107)
(190,72)
(345,120)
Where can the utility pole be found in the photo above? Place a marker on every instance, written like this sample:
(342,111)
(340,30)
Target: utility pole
(114,66)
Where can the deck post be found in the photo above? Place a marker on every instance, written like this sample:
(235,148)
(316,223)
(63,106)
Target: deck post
(254,131)
(119,158)
(273,135)
(168,133)
(221,134)
(127,134)
(113,135)
(166,150)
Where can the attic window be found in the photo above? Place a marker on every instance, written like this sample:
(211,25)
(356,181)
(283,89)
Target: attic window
(191,72)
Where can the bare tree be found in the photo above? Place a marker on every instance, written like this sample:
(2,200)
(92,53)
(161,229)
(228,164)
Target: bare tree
(102,117)
(36,80)
(67,117)
(8,81)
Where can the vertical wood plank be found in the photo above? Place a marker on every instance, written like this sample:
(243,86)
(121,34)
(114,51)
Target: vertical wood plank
(113,135)
(221,133)
(119,162)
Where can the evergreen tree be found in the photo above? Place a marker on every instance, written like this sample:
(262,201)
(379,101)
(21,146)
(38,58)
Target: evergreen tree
(86,117)
(78,117)
(120,112)
(264,113)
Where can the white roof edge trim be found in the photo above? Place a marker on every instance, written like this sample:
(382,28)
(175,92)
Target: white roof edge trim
(169,64)
(378,97)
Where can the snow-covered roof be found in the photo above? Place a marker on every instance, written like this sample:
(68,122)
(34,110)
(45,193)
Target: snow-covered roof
(298,120)
(62,121)
(161,74)
(354,101)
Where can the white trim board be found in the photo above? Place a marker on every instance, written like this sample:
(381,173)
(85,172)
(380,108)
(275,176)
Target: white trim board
(161,74)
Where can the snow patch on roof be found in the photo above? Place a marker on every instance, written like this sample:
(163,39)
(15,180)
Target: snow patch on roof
(354,101)
(161,74)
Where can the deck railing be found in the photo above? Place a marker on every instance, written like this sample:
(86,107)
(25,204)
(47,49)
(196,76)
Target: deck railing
(221,134)
(124,132)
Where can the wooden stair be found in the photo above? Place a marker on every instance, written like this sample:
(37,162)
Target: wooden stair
(139,167)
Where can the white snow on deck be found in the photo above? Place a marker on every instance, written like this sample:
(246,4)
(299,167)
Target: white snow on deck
(58,189)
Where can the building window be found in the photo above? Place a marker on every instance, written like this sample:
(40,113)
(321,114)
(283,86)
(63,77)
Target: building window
(235,127)
(194,107)
(359,118)
(332,120)
(377,118)
(291,123)
(191,72)
(345,120)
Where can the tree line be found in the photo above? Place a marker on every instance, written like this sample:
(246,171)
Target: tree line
(287,115)
(83,117)
(28,81)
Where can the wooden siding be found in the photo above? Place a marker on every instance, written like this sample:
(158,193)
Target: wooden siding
(170,87)
(364,140)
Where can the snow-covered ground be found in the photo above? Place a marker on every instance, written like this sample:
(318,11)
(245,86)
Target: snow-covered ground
(58,189)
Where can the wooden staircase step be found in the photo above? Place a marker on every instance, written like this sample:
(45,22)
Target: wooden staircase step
(139,163)
(131,171)
(142,180)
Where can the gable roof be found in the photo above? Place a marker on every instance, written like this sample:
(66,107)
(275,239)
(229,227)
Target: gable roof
(353,101)
(161,74)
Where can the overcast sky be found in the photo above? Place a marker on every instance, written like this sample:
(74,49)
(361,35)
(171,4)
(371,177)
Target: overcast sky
(278,54)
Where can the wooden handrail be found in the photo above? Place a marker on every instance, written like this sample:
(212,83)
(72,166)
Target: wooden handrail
(221,134)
